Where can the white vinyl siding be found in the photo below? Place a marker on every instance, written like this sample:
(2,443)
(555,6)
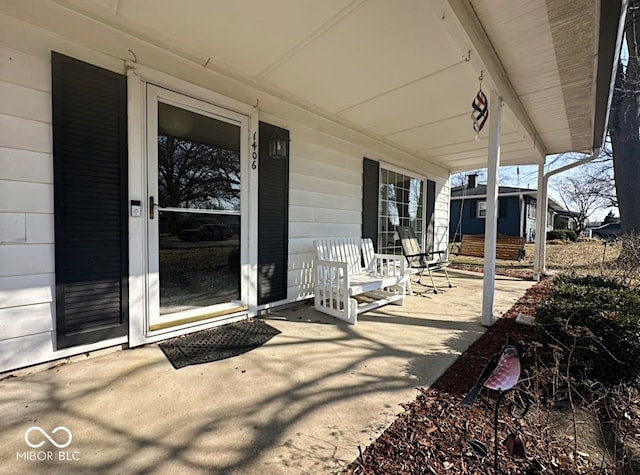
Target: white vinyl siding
(24,134)
(325,198)
(442,209)
(26,166)
(26,204)
(13,228)
(25,102)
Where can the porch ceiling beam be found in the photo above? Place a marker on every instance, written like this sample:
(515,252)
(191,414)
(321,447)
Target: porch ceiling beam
(467,31)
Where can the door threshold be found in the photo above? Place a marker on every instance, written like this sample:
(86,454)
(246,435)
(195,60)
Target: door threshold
(198,318)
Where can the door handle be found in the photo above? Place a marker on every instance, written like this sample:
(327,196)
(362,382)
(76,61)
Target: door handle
(152,208)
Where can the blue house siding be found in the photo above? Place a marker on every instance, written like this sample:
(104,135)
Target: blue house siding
(508,217)
(468,224)
(517,215)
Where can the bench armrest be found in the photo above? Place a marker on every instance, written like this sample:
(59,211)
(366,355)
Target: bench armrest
(331,274)
(388,265)
(432,259)
(339,268)
(426,254)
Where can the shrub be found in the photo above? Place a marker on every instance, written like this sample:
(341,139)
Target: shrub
(562,234)
(598,321)
(556,234)
(627,266)
(571,235)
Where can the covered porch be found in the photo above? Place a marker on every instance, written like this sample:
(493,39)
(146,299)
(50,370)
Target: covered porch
(302,403)
(370,101)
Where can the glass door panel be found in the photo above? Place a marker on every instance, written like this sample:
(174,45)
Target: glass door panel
(195,238)
(199,260)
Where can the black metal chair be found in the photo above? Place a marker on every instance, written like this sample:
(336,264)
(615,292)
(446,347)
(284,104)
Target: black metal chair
(431,262)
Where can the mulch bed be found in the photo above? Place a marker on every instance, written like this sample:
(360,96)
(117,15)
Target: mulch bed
(432,435)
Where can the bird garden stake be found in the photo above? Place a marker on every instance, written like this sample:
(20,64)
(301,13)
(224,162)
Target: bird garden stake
(502,373)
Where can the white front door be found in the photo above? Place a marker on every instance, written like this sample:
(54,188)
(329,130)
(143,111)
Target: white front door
(197,156)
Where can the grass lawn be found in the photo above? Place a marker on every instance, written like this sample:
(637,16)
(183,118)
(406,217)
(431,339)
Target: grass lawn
(588,256)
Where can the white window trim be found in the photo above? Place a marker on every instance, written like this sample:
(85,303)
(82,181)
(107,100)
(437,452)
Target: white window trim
(479,209)
(412,174)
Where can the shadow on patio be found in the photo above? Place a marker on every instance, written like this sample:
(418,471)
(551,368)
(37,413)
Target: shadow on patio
(302,403)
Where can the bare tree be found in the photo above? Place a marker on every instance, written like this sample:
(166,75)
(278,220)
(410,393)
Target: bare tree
(624,126)
(582,195)
(600,172)
(197,175)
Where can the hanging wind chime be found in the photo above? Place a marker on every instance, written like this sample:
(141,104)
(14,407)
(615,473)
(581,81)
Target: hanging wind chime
(480,106)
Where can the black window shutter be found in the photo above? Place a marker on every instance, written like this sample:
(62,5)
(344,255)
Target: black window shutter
(370,186)
(473,208)
(502,208)
(90,201)
(273,219)
(431,208)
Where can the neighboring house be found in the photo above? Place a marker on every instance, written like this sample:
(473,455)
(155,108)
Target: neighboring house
(517,209)
(609,231)
(165,167)
(564,219)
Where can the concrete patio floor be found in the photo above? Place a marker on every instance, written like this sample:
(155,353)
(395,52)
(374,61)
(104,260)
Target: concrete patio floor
(300,404)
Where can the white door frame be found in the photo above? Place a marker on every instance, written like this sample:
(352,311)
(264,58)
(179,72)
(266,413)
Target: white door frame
(139,79)
(160,324)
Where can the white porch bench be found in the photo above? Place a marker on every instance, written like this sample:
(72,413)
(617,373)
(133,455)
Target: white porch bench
(345,268)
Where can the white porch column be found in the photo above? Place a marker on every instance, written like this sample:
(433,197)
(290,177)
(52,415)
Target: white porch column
(542,207)
(541,224)
(491,219)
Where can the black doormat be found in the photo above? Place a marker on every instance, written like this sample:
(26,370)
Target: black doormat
(218,343)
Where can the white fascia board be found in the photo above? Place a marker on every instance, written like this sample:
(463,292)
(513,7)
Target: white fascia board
(500,195)
(532,194)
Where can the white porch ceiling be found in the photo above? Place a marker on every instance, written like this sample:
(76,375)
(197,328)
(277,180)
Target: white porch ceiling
(397,70)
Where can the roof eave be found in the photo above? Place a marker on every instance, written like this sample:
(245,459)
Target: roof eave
(611,31)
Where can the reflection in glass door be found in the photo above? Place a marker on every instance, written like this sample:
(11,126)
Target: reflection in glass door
(195,237)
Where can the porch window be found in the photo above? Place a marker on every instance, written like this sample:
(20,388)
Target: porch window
(550,219)
(401,203)
(531,211)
